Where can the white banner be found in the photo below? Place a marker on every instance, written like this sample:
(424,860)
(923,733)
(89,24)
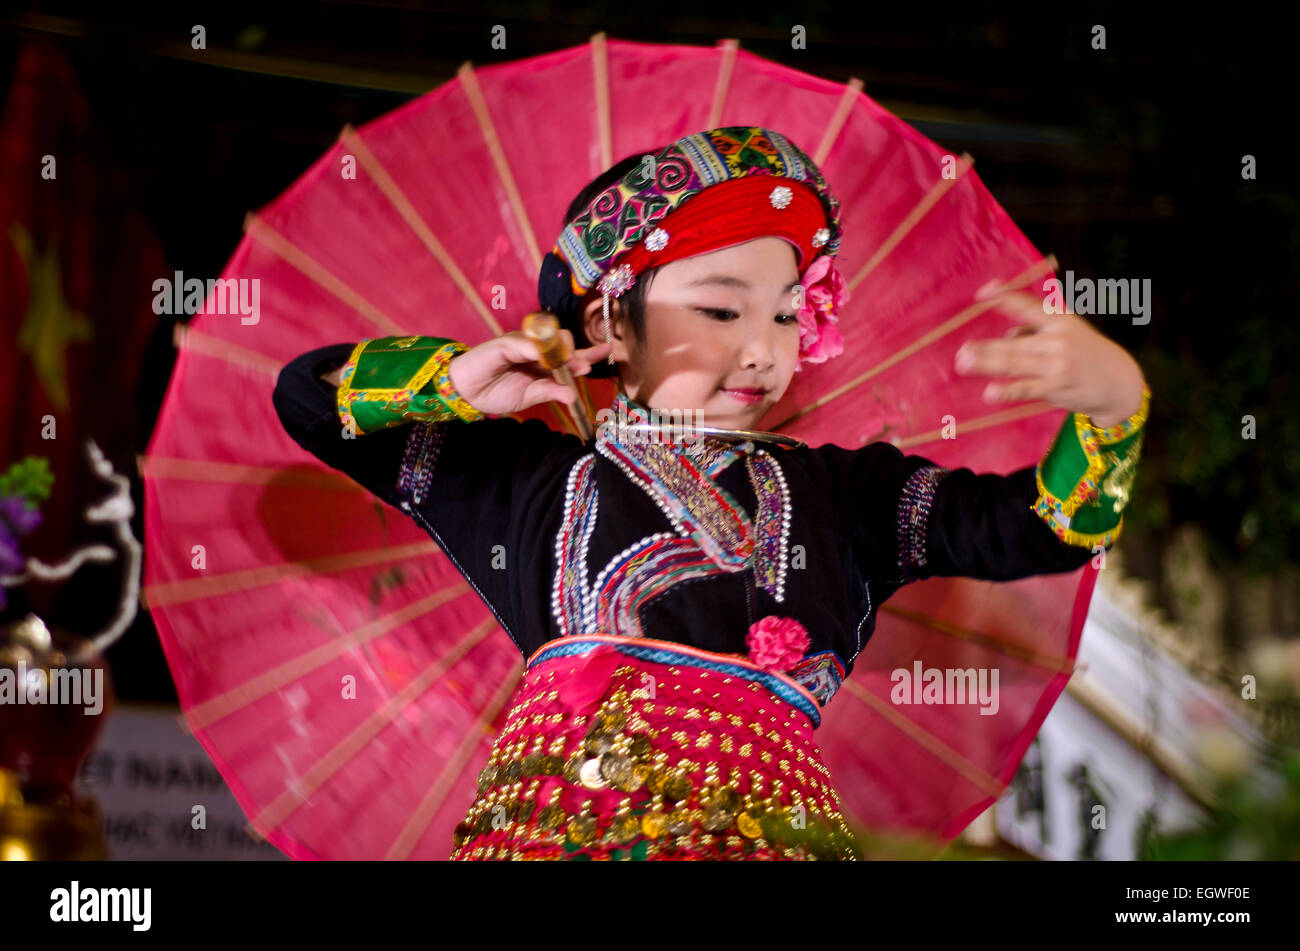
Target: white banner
(161,795)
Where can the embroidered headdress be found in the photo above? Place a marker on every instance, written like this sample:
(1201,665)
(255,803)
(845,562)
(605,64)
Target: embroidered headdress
(704,192)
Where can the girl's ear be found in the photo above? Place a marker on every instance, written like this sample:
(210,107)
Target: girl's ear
(593,324)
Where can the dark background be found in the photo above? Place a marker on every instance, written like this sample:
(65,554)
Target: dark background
(1123,162)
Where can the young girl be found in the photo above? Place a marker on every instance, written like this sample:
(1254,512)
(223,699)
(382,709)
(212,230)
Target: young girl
(675,670)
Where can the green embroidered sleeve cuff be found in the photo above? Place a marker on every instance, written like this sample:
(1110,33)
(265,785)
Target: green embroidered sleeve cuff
(390,381)
(1085,478)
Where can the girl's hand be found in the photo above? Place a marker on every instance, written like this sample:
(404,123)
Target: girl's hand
(503,375)
(1059,358)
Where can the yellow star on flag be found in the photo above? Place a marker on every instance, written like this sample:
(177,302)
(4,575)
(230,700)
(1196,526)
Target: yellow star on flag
(50,324)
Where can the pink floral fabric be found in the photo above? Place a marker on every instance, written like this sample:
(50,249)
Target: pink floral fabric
(777,643)
(824,295)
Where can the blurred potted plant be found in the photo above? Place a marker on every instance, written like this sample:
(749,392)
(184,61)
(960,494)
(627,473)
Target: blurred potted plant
(54,686)
(1257,812)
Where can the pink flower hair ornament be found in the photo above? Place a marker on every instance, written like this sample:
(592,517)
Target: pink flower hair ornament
(777,643)
(824,294)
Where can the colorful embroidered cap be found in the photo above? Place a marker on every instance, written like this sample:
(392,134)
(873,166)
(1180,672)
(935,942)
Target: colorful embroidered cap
(704,192)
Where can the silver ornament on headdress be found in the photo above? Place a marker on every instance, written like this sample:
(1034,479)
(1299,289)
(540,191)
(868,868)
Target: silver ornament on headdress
(616,283)
(781,196)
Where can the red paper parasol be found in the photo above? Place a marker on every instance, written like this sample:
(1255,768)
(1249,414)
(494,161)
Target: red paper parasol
(343,676)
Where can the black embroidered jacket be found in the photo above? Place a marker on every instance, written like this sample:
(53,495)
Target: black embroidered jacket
(692,546)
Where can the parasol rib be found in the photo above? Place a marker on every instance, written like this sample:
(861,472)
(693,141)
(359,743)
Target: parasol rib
(397,198)
(980,422)
(241,695)
(848,98)
(600,75)
(211,586)
(204,470)
(605,135)
(1051,662)
(469,81)
(418,824)
(725,67)
(919,211)
(285,804)
(931,743)
(188,337)
(295,256)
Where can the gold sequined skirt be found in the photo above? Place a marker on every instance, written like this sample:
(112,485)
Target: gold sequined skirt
(621,748)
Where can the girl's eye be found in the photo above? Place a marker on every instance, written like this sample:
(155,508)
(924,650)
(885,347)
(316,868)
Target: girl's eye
(720,314)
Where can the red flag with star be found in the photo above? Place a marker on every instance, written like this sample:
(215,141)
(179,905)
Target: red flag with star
(76,264)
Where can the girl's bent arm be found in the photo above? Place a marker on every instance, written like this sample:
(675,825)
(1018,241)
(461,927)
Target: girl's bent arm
(481,490)
(308,409)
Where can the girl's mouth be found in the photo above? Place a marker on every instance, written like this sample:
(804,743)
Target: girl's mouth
(748,396)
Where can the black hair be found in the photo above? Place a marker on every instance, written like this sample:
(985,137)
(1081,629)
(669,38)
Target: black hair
(632,304)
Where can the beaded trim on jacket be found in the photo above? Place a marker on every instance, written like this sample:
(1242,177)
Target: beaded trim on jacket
(711,532)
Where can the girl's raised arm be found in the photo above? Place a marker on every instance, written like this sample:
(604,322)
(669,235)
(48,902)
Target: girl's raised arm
(911,519)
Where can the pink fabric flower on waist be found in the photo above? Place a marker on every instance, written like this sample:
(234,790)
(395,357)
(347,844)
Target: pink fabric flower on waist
(824,295)
(777,643)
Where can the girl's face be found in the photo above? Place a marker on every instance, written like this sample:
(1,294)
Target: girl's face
(721,336)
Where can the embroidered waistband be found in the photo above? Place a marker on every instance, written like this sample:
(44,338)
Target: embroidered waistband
(668,652)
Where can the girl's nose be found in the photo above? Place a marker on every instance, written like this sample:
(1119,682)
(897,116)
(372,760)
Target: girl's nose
(759,352)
